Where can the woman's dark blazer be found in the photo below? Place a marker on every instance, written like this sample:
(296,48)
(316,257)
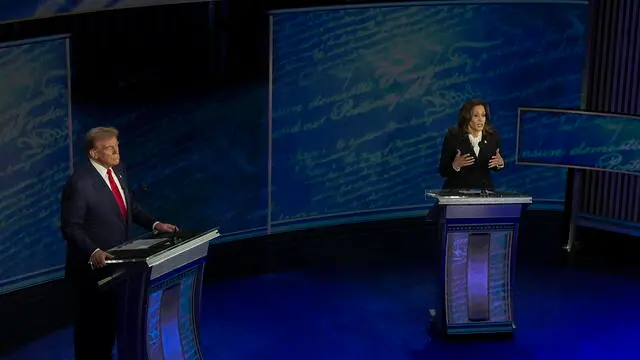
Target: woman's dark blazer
(475,176)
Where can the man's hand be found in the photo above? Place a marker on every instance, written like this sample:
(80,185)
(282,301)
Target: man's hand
(166,228)
(99,257)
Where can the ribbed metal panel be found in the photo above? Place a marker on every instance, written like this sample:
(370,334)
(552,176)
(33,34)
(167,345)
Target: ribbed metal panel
(613,79)
(611,195)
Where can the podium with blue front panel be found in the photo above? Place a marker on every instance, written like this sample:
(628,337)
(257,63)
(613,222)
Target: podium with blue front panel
(478,233)
(159,281)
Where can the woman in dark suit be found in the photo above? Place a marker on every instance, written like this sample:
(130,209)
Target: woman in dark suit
(471,150)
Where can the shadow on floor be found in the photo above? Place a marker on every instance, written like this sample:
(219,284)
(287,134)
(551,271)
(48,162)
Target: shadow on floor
(381,312)
(363,292)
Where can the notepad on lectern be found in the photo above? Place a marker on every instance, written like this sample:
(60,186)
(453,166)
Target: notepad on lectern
(140,244)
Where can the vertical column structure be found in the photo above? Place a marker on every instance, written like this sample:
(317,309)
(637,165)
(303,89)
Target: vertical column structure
(613,85)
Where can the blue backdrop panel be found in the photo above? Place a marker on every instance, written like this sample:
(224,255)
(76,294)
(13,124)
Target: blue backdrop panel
(362,97)
(573,138)
(35,161)
(197,161)
(19,10)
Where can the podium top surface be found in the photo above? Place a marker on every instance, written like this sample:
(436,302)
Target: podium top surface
(154,250)
(478,197)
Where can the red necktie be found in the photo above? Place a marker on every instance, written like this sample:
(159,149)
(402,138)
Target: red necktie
(117,194)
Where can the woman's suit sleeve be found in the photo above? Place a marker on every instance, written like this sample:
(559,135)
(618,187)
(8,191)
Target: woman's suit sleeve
(496,137)
(447,155)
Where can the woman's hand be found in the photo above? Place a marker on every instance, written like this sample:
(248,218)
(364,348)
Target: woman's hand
(462,160)
(496,160)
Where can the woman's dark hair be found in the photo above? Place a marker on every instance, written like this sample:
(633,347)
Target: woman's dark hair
(464,116)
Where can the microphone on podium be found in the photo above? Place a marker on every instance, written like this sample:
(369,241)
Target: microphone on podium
(485,190)
(176,236)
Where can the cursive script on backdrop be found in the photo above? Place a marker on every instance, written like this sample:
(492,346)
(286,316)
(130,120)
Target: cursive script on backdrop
(35,143)
(362,97)
(579,139)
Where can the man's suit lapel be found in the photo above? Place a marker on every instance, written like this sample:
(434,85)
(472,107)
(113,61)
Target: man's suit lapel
(104,191)
(127,195)
(123,184)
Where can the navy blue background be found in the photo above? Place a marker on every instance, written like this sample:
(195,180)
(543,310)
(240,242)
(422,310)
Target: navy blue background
(362,98)
(24,9)
(35,148)
(196,153)
(194,142)
(194,134)
(579,139)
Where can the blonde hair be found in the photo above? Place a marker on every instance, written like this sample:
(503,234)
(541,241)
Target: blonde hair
(99,133)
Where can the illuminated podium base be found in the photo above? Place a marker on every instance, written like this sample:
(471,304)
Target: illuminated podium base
(478,233)
(160,282)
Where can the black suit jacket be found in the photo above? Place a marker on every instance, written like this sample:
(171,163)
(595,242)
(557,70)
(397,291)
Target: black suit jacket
(475,176)
(91,218)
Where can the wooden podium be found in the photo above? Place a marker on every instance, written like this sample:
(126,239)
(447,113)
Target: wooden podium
(478,233)
(159,281)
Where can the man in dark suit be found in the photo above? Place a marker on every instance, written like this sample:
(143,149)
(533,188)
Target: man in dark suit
(471,150)
(97,211)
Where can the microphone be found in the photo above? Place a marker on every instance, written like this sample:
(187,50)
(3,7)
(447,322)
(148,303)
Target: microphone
(174,236)
(485,190)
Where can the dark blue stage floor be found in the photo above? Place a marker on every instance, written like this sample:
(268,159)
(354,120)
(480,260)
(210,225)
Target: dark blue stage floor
(381,312)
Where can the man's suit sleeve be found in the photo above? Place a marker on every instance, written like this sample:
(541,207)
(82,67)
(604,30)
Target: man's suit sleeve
(72,214)
(138,215)
(447,155)
(141,217)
